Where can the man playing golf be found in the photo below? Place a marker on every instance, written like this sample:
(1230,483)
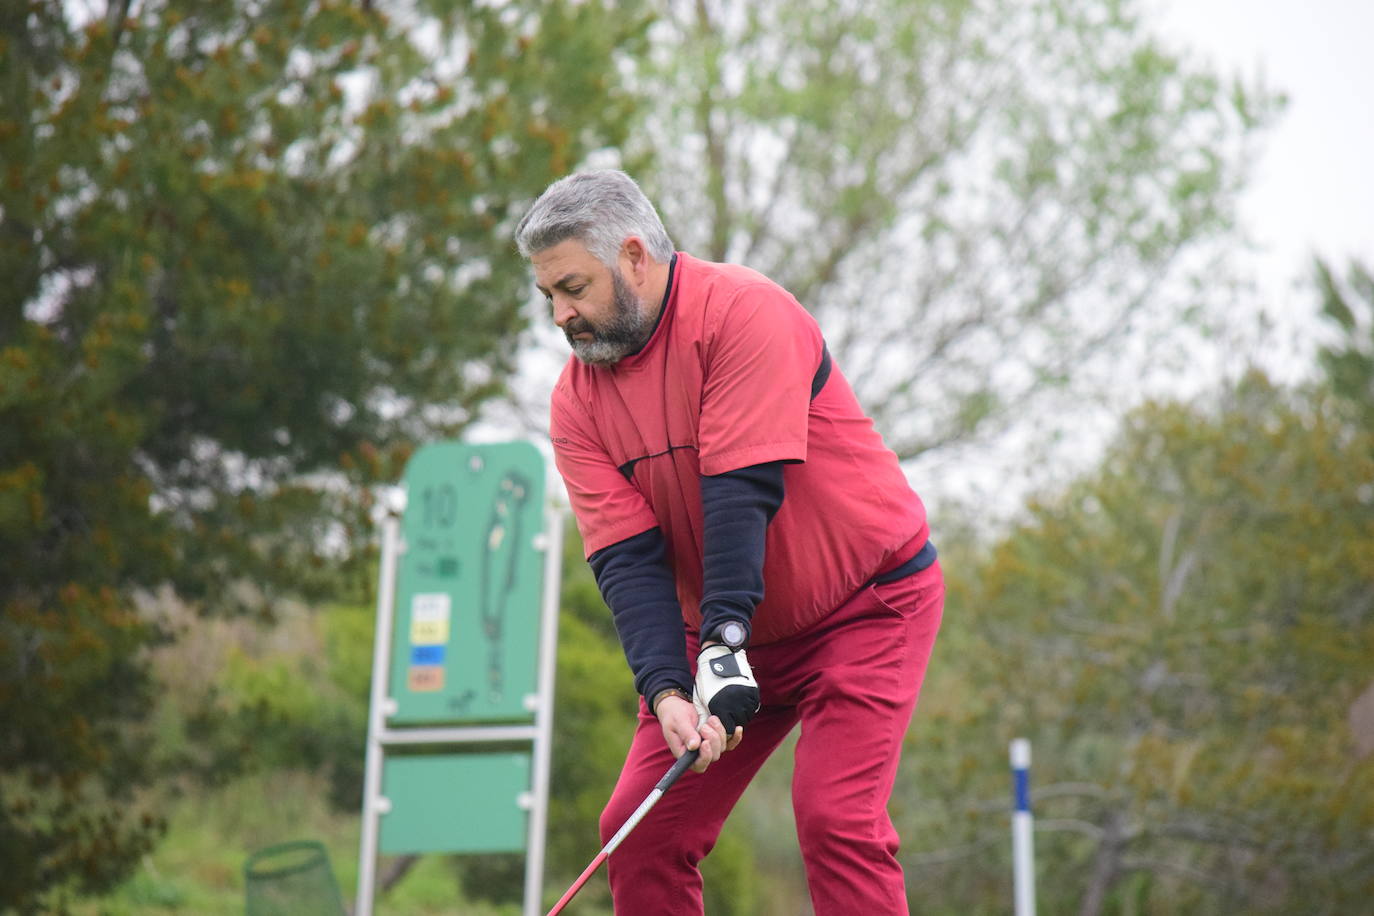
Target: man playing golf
(762,554)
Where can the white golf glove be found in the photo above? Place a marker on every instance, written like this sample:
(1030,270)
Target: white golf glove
(725,687)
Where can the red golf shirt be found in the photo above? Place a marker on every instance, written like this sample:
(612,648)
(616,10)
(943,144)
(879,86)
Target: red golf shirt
(724,383)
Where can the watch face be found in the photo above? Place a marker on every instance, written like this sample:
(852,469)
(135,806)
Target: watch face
(732,634)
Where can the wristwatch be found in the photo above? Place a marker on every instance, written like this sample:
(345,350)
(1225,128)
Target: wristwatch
(732,634)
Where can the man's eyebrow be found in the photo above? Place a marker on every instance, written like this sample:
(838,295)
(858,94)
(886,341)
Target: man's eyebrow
(563,281)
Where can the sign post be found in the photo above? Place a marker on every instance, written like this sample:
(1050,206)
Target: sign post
(1022,831)
(463,663)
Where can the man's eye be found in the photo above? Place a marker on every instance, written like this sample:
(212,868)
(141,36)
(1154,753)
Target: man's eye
(575,290)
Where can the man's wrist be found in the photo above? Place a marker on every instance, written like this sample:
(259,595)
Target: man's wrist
(667,692)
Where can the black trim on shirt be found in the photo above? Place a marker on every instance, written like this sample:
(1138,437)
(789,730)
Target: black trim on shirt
(822,372)
(628,468)
(662,306)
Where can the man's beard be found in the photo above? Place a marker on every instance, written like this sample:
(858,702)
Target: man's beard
(616,338)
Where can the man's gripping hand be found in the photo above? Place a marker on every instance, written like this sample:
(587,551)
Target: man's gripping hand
(685,728)
(726,687)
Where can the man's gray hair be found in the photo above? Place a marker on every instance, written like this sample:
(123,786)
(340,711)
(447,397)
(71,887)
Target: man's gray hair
(600,209)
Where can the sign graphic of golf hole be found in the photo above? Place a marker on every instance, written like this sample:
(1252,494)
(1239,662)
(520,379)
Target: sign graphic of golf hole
(468,585)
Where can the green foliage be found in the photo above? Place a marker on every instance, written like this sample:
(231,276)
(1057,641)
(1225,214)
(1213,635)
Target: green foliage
(253,252)
(284,696)
(730,877)
(1349,308)
(1181,634)
(284,760)
(199,867)
(978,201)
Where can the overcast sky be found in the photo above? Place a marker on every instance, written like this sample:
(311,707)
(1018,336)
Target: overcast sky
(1313,190)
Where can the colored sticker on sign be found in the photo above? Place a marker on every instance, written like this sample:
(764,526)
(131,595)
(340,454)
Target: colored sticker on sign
(429,618)
(427,655)
(428,633)
(425,678)
(431,606)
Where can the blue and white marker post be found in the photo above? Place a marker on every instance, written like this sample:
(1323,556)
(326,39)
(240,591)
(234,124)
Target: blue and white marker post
(1022,826)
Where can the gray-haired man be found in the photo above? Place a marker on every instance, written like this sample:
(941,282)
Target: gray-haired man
(700,395)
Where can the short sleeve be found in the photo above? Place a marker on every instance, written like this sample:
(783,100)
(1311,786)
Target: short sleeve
(608,507)
(760,360)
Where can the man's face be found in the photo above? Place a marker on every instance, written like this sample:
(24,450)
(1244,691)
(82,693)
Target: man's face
(602,317)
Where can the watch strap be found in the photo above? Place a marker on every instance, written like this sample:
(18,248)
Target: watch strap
(665,692)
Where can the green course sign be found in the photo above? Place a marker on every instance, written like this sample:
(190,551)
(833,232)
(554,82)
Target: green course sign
(468,585)
(455,803)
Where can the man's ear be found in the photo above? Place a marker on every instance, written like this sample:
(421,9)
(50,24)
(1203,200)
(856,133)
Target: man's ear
(636,257)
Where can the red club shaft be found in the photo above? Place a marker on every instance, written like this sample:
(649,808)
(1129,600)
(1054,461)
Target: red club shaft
(678,768)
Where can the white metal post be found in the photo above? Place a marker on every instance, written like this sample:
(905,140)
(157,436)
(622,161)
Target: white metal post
(543,713)
(1022,830)
(376,723)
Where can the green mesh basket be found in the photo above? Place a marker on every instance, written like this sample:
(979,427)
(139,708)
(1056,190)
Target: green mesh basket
(292,879)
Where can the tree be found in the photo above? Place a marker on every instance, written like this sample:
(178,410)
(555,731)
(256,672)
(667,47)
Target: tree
(253,252)
(1349,309)
(986,205)
(1181,633)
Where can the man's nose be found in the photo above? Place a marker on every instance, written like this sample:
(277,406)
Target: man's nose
(563,312)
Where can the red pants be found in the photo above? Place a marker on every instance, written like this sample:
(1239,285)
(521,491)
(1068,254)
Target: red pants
(851,681)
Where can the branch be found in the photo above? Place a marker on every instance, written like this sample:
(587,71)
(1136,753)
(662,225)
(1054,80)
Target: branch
(1201,832)
(759,233)
(1069,789)
(938,857)
(1186,871)
(1068,825)
(115,15)
(1174,575)
(715,146)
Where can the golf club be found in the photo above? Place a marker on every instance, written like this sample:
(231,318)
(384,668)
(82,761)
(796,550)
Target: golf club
(678,768)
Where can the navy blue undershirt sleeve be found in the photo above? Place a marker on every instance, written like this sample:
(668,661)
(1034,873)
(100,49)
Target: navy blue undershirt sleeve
(736,508)
(638,588)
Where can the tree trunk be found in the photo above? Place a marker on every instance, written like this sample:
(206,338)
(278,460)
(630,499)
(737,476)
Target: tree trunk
(395,870)
(1107,866)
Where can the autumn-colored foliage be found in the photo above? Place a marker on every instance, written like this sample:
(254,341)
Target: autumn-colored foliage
(252,253)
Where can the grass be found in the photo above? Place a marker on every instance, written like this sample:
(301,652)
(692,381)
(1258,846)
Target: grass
(228,666)
(198,867)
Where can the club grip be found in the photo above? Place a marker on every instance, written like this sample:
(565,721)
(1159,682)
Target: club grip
(686,760)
